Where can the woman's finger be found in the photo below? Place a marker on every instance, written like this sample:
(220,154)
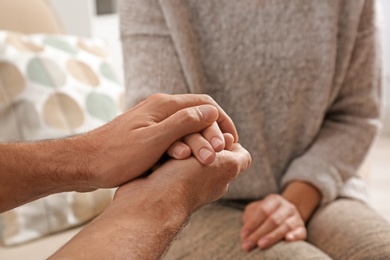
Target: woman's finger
(292,224)
(273,222)
(254,216)
(299,233)
(201,148)
(179,150)
(215,137)
(229,141)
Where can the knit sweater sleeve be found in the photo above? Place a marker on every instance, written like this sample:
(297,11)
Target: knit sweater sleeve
(151,63)
(350,123)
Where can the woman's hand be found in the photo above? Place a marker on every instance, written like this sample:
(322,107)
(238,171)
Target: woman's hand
(203,145)
(270,220)
(132,143)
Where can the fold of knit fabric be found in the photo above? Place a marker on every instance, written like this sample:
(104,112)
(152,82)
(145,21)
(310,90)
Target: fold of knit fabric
(300,79)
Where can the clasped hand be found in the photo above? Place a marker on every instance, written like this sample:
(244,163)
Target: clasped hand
(180,125)
(267,221)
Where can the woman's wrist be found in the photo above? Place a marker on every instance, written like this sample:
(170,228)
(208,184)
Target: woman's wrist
(304,196)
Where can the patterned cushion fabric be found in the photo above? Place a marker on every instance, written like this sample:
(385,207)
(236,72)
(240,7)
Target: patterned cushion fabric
(53,86)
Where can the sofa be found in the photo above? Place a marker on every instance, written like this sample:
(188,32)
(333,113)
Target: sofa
(35,17)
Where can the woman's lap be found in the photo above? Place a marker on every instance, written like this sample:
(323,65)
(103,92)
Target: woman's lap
(348,229)
(213,233)
(345,229)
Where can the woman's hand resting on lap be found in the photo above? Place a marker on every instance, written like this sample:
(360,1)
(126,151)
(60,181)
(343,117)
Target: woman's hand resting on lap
(268,221)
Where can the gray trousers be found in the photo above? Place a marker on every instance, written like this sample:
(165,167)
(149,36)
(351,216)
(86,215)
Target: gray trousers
(345,229)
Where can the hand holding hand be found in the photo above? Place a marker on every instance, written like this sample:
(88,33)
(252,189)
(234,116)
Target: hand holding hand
(154,208)
(270,220)
(187,182)
(132,143)
(203,145)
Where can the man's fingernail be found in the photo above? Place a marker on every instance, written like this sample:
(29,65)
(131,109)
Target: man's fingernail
(178,150)
(208,113)
(204,153)
(263,243)
(216,142)
(248,245)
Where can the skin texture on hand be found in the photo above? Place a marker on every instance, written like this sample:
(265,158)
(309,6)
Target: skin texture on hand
(145,133)
(109,156)
(203,146)
(148,212)
(279,217)
(270,220)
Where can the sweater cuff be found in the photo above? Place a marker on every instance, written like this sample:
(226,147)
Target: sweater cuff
(322,175)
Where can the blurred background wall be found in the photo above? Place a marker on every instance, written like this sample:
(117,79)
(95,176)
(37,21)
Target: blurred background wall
(93,18)
(98,18)
(384,12)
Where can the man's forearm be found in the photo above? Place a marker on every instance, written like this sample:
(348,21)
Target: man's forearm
(109,156)
(147,213)
(140,230)
(33,170)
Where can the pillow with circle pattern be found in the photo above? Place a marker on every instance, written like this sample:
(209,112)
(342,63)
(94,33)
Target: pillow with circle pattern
(52,86)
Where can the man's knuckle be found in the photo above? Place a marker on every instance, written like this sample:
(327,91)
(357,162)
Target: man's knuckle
(161,100)
(173,101)
(208,99)
(188,117)
(157,97)
(234,167)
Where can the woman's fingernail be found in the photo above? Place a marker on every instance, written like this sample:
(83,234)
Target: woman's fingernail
(204,153)
(209,113)
(216,142)
(178,150)
(290,236)
(248,245)
(262,243)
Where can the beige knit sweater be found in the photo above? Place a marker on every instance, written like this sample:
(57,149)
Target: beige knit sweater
(301,80)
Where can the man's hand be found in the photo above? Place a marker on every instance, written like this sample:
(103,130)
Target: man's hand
(133,142)
(193,183)
(148,212)
(270,220)
(109,156)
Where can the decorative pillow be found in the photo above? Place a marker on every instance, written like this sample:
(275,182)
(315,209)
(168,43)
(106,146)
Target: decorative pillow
(52,86)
